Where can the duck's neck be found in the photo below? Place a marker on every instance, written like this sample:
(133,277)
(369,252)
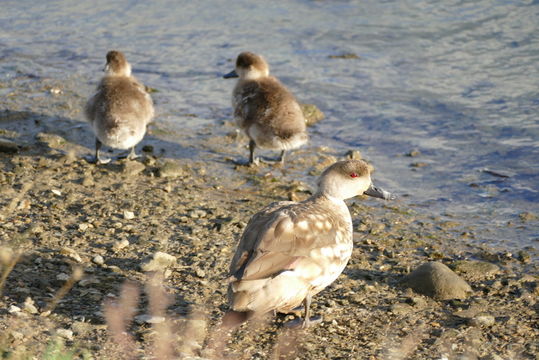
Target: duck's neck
(335,207)
(337,202)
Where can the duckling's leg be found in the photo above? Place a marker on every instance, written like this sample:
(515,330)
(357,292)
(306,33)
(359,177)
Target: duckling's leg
(281,158)
(252,159)
(97,159)
(278,161)
(132,155)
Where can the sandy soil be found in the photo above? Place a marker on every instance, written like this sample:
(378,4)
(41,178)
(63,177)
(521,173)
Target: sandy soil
(185,198)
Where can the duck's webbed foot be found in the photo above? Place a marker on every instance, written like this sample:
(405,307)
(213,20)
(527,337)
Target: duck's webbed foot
(97,158)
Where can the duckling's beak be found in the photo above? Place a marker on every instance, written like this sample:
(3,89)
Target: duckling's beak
(232,74)
(106,68)
(379,193)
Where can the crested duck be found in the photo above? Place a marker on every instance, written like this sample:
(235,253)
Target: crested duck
(290,251)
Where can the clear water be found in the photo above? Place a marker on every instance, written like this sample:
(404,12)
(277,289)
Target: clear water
(457,80)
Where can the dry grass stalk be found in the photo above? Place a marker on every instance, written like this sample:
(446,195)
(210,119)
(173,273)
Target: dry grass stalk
(8,260)
(119,317)
(396,351)
(16,200)
(286,345)
(76,275)
(158,302)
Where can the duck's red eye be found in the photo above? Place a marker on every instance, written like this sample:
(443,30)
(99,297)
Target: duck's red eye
(354,175)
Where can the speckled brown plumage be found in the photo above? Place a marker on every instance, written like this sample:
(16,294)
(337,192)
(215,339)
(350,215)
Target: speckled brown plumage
(291,251)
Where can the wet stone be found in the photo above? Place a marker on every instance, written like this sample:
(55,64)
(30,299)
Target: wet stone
(312,114)
(527,216)
(401,309)
(132,168)
(8,146)
(344,56)
(51,140)
(482,320)
(170,169)
(476,270)
(147,148)
(413,153)
(436,280)
(524,256)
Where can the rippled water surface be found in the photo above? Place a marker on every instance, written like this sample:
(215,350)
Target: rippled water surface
(457,80)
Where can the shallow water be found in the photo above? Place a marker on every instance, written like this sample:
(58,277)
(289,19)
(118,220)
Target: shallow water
(456,80)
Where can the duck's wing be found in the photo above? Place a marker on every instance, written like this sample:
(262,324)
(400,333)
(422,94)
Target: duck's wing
(248,100)
(277,240)
(248,242)
(94,104)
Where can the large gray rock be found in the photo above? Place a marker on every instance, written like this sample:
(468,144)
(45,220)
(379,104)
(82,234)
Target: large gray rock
(436,280)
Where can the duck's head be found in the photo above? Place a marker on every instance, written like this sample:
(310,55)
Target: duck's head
(349,178)
(249,66)
(117,64)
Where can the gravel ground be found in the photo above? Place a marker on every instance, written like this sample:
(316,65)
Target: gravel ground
(178,211)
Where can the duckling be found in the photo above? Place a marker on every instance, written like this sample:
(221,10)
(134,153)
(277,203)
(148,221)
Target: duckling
(120,110)
(291,251)
(265,109)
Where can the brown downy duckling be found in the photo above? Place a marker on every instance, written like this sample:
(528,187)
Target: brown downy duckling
(120,109)
(265,109)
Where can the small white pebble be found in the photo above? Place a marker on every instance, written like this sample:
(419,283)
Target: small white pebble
(128,215)
(55,91)
(119,245)
(29,306)
(65,333)
(14,309)
(98,259)
(62,277)
(56,192)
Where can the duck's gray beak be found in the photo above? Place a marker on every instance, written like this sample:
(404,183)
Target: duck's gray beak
(232,74)
(379,193)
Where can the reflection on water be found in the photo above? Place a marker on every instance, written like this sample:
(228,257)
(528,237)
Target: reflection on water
(456,80)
